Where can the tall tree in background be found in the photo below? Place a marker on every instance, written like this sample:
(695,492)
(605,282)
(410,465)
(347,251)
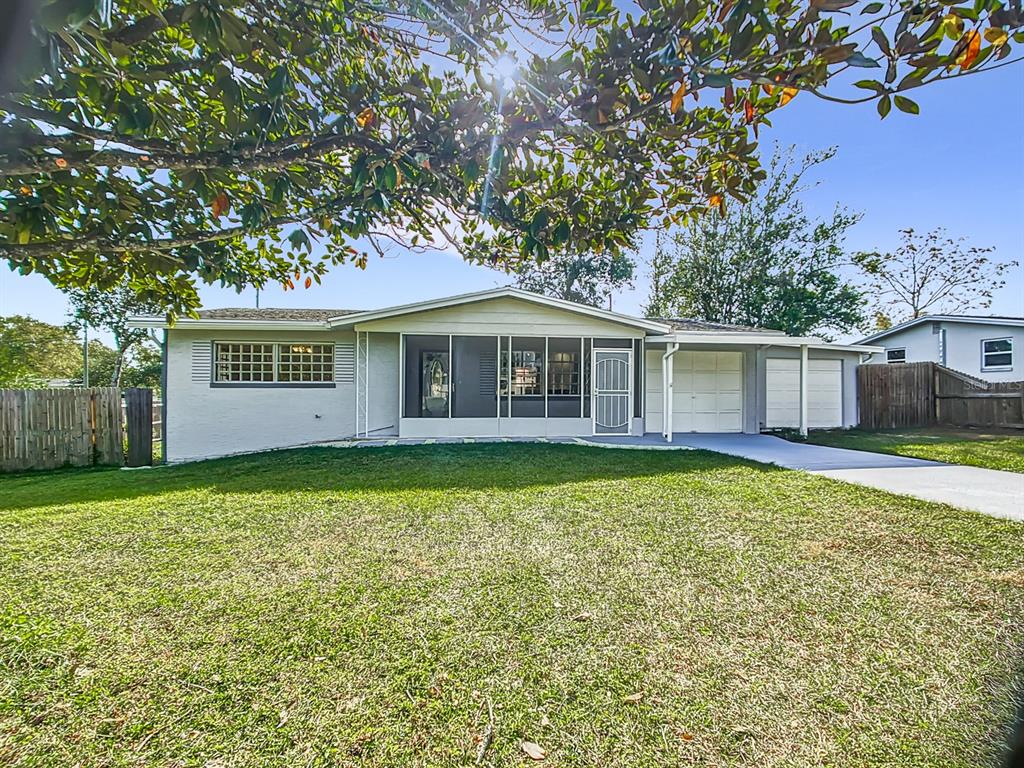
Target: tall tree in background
(33,352)
(765,263)
(110,311)
(931,273)
(583,278)
(157,143)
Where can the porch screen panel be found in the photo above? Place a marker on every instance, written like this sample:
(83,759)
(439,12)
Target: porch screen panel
(427,377)
(565,378)
(503,376)
(528,377)
(588,347)
(638,378)
(475,373)
(613,343)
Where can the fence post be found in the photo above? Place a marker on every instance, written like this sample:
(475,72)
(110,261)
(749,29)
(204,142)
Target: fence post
(139,425)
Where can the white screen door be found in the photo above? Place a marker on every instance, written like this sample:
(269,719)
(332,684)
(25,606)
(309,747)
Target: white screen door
(613,391)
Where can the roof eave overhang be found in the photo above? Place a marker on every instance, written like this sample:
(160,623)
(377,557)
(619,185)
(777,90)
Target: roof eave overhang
(941,319)
(345,321)
(236,325)
(759,340)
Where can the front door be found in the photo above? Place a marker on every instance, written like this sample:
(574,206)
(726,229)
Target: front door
(613,394)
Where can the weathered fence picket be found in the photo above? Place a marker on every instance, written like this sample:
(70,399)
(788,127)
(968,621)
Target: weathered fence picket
(138,408)
(925,394)
(49,428)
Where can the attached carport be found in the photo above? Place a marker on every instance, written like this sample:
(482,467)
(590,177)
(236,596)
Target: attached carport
(715,382)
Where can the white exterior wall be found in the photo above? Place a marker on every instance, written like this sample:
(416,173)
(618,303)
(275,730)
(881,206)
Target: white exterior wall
(204,421)
(383,379)
(963,347)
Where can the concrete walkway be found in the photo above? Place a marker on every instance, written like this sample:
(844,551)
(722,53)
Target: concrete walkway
(1000,494)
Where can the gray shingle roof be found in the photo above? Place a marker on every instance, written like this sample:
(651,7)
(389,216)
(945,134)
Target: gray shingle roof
(271,313)
(687,324)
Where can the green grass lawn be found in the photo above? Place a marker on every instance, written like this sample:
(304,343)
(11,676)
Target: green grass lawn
(406,606)
(976,448)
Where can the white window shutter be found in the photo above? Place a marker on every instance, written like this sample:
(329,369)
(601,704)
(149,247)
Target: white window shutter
(201,362)
(345,362)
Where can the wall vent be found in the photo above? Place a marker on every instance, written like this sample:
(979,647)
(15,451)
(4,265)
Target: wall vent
(345,362)
(201,362)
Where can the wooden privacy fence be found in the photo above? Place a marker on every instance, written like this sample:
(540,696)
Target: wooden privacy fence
(49,428)
(897,395)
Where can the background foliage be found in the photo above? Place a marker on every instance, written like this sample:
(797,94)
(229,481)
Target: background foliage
(930,273)
(765,263)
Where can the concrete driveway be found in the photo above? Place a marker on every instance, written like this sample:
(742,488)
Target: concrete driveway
(1000,494)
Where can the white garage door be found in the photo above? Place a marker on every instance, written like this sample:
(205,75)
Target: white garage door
(707,391)
(824,393)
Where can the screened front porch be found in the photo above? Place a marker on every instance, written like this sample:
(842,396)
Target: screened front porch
(507,385)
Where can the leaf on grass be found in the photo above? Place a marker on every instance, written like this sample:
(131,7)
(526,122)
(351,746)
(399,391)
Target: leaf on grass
(584,616)
(677,97)
(544,721)
(634,698)
(533,751)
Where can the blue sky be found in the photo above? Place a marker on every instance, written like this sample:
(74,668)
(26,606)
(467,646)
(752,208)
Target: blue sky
(959,164)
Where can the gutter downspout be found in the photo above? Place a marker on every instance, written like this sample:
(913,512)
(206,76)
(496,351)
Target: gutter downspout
(666,391)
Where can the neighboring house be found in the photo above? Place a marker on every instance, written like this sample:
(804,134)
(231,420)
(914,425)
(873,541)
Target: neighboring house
(503,362)
(989,348)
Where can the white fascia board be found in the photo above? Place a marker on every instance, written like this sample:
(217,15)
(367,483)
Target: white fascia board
(236,325)
(494,293)
(761,340)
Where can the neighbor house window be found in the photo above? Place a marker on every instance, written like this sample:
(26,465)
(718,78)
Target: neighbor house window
(243,363)
(896,355)
(996,354)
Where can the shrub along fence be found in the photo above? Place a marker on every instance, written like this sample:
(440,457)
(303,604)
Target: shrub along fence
(897,395)
(49,428)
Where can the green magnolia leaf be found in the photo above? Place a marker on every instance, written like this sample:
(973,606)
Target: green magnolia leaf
(906,105)
(717,80)
(884,105)
(858,59)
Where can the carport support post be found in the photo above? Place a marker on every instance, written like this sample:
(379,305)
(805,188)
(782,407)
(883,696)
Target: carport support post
(803,390)
(667,378)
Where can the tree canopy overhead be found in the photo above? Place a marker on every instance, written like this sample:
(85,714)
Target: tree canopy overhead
(155,143)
